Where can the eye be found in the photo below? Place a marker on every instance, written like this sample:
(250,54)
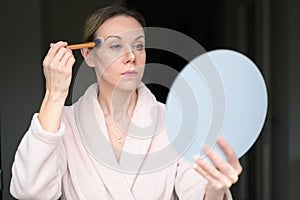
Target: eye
(115,46)
(139,47)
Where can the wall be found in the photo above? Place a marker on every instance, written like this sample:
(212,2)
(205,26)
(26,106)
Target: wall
(21,76)
(294,98)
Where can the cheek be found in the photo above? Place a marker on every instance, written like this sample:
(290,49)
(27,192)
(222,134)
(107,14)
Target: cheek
(108,72)
(143,59)
(103,63)
(140,60)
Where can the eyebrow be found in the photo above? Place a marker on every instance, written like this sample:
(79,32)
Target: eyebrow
(120,38)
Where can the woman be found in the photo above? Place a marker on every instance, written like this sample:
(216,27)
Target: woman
(79,151)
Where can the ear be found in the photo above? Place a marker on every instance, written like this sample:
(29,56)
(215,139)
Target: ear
(88,58)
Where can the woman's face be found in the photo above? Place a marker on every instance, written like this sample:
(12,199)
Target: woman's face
(120,59)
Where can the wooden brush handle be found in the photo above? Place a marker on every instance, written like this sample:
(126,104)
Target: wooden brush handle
(81,46)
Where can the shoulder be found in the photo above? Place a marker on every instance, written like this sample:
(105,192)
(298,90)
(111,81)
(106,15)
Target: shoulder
(68,110)
(68,116)
(162,105)
(88,97)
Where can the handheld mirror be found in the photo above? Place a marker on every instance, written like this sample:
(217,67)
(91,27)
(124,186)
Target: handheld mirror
(219,93)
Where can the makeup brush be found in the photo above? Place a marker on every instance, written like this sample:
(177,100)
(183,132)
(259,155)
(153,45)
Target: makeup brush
(93,44)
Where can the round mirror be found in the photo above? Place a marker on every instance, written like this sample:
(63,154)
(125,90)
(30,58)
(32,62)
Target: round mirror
(219,93)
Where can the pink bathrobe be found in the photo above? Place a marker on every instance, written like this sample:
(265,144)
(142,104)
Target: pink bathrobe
(78,161)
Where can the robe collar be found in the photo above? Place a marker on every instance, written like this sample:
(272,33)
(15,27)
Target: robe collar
(91,126)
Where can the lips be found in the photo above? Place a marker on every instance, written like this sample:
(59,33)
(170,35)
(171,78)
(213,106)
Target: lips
(130,73)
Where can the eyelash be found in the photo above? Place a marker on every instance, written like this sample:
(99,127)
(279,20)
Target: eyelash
(115,46)
(139,47)
(136,47)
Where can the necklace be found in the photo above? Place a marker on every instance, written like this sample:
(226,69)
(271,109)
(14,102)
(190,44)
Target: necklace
(119,139)
(132,104)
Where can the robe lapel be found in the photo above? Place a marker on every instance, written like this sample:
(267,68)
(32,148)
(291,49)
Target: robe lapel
(140,134)
(90,122)
(115,182)
(92,130)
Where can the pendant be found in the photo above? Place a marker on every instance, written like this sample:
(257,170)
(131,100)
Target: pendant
(120,140)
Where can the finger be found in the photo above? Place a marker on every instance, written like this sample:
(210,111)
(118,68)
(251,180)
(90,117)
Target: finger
(213,172)
(204,173)
(54,48)
(58,58)
(230,155)
(68,54)
(70,63)
(217,185)
(224,167)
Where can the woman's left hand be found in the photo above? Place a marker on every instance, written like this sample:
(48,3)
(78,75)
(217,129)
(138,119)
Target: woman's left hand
(223,174)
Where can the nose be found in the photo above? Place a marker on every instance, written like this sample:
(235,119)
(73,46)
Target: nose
(129,56)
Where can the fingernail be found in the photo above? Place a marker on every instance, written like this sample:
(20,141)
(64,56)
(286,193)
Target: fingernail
(197,157)
(221,141)
(206,149)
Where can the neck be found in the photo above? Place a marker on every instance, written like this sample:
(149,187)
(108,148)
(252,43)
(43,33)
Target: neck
(117,104)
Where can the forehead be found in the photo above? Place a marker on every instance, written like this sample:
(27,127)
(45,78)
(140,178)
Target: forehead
(119,25)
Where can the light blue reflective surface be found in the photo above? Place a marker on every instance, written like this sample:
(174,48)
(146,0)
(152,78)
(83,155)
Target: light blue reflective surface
(219,93)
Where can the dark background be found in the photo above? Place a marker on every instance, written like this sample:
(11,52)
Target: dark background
(267,31)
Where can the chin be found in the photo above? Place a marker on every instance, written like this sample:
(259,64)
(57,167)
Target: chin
(128,85)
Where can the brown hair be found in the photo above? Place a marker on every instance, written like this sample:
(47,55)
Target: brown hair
(98,17)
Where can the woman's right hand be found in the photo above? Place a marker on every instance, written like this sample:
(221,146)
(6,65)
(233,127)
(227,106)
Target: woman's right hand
(58,64)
